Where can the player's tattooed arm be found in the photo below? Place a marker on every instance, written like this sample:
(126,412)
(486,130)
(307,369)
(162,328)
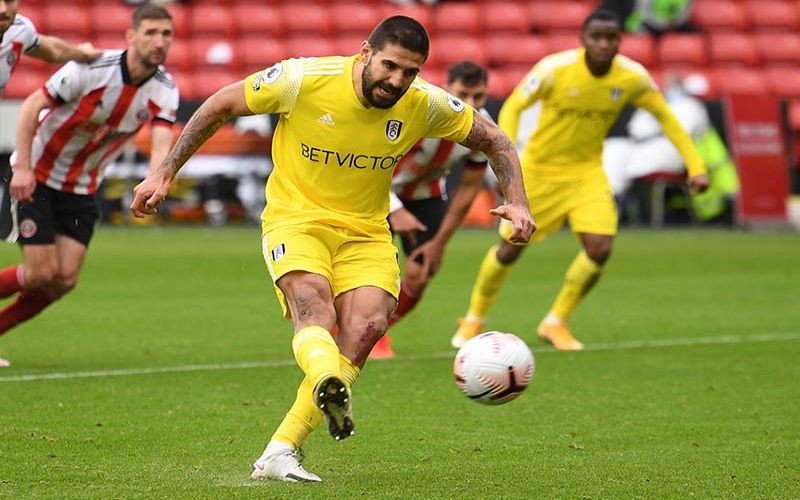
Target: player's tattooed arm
(486,136)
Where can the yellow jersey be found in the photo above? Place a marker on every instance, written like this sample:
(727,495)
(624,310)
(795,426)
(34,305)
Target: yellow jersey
(334,157)
(578,109)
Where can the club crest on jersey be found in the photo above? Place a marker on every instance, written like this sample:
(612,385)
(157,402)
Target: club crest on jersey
(616,93)
(27,228)
(393,128)
(278,252)
(12,58)
(455,103)
(143,115)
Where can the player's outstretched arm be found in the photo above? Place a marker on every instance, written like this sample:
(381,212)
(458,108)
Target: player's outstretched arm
(487,137)
(23,181)
(213,113)
(55,50)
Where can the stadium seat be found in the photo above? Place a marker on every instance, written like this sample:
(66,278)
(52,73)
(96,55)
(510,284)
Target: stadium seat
(556,42)
(185,84)
(209,20)
(65,20)
(778,47)
(263,20)
(640,48)
(733,48)
(503,81)
(513,49)
(447,50)
(794,114)
(256,52)
(784,82)
(180,19)
(23,82)
(719,15)
(422,13)
(206,82)
(773,14)
(435,76)
(354,18)
(180,55)
(117,41)
(746,81)
(453,18)
(213,51)
(35,13)
(310,46)
(682,49)
(348,45)
(110,19)
(558,15)
(312,20)
(507,18)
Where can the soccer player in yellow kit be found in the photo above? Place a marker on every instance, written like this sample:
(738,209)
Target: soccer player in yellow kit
(344,124)
(582,92)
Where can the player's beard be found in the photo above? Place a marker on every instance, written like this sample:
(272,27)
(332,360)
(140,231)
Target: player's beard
(369,85)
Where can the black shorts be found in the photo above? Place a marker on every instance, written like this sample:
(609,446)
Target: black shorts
(53,211)
(430,212)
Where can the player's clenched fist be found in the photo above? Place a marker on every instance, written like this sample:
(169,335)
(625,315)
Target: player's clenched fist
(149,193)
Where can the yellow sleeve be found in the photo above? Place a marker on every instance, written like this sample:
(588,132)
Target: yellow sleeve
(651,99)
(275,89)
(530,89)
(448,117)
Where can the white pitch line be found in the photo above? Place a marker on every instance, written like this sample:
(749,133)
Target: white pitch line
(609,346)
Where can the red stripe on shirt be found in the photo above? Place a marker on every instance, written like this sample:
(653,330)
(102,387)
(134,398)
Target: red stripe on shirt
(16,48)
(441,155)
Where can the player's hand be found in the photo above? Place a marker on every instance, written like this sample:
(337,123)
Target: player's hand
(149,193)
(698,183)
(23,184)
(405,224)
(88,51)
(521,218)
(429,255)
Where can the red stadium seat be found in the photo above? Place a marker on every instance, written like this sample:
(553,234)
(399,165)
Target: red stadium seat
(261,20)
(683,49)
(733,48)
(435,76)
(457,18)
(117,41)
(558,15)
(110,19)
(447,50)
(312,20)
(209,20)
(421,13)
(256,52)
(640,48)
(557,42)
(180,55)
(63,20)
(214,52)
(35,13)
(794,114)
(355,18)
(185,84)
(740,81)
(784,82)
(778,47)
(719,15)
(348,45)
(506,18)
(180,19)
(23,82)
(773,14)
(206,82)
(503,82)
(513,49)
(310,46)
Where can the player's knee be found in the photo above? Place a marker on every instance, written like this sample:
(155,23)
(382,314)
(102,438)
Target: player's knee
(41,276)
(599,252)
(369,327)
(310,304)
(66,282)
(508,253)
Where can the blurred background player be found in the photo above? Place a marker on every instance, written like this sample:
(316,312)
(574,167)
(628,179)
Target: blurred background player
(344,124)
(18,36)
(419,205)
(95,109)
(582,92)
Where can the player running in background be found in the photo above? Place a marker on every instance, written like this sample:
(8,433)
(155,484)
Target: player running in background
(344,124)
(18,35)
(95,109)
(582,92)
(419,207)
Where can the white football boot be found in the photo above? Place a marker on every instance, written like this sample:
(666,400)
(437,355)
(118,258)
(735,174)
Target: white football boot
(283,465)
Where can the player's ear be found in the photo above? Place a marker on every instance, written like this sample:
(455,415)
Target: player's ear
(129,35)
(366,51)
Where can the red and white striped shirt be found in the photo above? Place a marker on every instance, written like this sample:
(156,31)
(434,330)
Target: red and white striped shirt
(422,172)
(20,37)
(95,112)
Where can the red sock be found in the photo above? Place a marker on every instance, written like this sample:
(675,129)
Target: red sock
(12,280)
(27,305)
(406,301)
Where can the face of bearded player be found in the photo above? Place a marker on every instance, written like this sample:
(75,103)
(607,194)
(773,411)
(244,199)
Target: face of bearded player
(388,73)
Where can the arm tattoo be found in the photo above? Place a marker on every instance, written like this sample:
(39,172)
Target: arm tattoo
(498,148)
(202,125)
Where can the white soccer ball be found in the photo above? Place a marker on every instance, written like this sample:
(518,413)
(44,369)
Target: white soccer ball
(494,367)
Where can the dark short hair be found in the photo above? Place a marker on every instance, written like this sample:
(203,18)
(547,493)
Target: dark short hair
(467,72)
(601,15)
(149,11)
(403,31)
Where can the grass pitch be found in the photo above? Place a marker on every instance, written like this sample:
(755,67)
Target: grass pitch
(165,372)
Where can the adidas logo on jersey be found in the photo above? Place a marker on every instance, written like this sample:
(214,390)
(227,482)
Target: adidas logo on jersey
(326,119)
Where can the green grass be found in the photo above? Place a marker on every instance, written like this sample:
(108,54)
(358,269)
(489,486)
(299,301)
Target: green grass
(704,420)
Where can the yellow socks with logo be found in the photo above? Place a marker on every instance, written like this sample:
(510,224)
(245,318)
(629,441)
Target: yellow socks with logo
(316,353)
(581,276)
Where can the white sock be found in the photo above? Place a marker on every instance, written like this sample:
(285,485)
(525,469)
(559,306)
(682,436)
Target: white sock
(552,319)
(276,446)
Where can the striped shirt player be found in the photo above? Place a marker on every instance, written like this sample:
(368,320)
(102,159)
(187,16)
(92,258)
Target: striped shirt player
(21,37)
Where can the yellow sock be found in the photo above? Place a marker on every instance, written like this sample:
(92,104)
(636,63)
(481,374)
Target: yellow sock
(350,372)
(581,276)
(491,277)
(301,419)
(316,353)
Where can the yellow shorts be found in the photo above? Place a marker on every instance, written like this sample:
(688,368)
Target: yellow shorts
(587,203)
(348,259)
